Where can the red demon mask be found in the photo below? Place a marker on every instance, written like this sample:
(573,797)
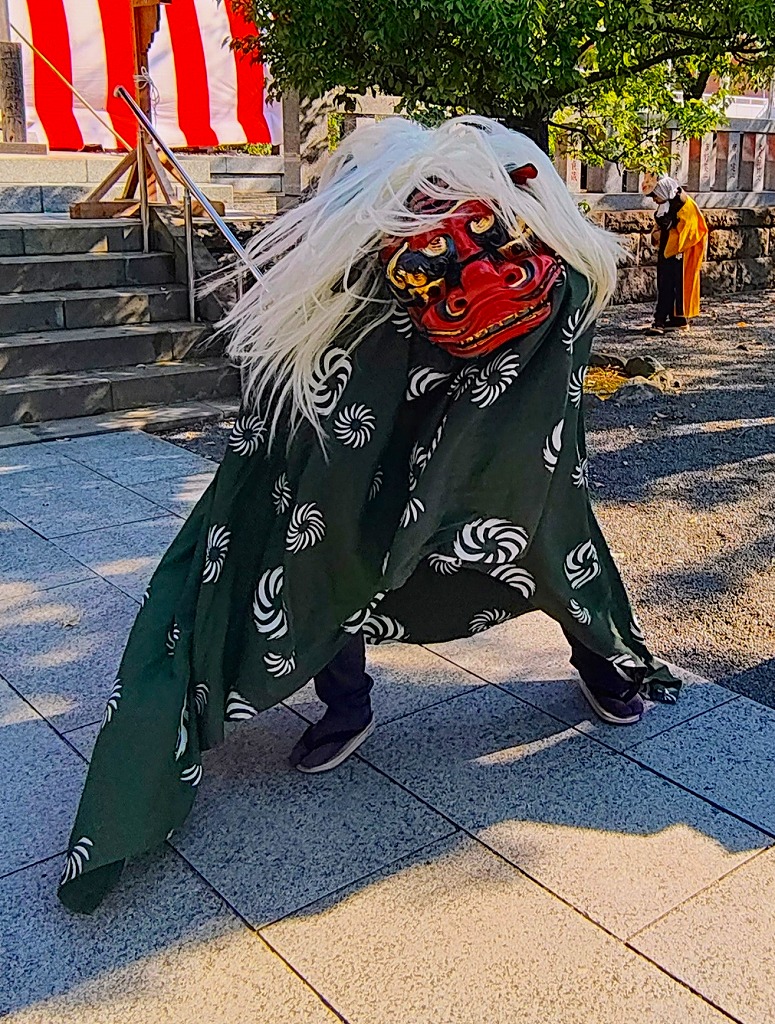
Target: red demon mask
(467,285)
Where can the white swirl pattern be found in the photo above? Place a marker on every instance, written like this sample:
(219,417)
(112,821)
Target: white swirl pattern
(238,709)
(192,775)
(490,541)
(247,434)
(553,447)
(580,475)
(218,539)
(282,495)
(306,528)
(382,629)
(487,619)
(516,577)
(582,564)
(576,386)
(354,425)
(445,565)
(201,697)
(493,379)
(423,379)
(580,614)
(113,701)
(77,859)
(331,377)
(269,614)
(279,665)
(414,509)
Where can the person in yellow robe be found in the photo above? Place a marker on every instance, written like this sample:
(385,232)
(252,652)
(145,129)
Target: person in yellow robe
(681,235)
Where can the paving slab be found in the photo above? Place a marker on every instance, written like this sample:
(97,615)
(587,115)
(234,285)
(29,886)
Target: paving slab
(727,756)
(271,839)
(61,648)
(40,784)
(455,935)
(131,457)
(177,495)
(21,458)
(529,657)
(29,563)
(67,499)
(125,555)
(164,947)
(406,679)
(722,942)
(619,843)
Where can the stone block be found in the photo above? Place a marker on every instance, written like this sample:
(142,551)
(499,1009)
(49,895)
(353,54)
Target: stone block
(151,268)
(636,284)
(134,960)
(313,834)
(71,237)
(727,756)
(131,457)
(40,782)
(67,499)
(622,221)
(177,495)
(142,305)
(47,170)
(630,244)
(251,183)
(21,199)
(732,243)
(186,382)
(246,164)
(455,935)
(721,943)
(719,279)
(21,313)
(126,555)
(65,273)
(62,647)
(11,242)
(28,563)
(198,167)
(555,802)
(59,198)
(756,274)
(745,217)
(41,398)
(648,251)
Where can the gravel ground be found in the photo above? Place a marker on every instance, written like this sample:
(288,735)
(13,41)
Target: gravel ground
(684,486)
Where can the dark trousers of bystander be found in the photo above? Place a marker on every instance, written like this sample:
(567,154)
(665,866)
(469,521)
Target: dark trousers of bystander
(670,291)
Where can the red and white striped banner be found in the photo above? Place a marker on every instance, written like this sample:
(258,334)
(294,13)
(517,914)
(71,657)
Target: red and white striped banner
(205,94)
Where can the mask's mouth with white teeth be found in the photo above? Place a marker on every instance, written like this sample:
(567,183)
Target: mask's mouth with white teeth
(500,314)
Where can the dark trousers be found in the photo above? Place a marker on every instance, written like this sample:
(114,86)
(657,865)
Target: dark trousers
(670,290)
(344,685)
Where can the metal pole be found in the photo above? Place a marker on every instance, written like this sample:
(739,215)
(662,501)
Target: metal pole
(5,22)
(190,184)
(142,180)
(189,219)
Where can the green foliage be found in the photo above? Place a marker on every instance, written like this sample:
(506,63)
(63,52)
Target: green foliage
(615,71)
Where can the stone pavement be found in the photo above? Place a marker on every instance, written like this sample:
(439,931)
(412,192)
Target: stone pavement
(494,856)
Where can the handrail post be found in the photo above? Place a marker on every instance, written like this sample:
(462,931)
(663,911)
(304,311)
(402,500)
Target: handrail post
(145,212)
(190,272)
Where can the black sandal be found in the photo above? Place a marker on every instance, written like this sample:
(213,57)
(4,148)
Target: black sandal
(345,743)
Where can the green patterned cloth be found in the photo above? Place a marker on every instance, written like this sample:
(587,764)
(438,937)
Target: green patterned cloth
(452,496)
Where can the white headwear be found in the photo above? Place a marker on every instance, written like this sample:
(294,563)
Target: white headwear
(665,189)
(319,260)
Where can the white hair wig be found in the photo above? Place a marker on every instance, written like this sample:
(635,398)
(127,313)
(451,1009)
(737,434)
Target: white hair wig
(320,271)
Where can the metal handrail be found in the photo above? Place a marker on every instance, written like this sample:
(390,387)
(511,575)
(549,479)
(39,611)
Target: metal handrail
(191,187)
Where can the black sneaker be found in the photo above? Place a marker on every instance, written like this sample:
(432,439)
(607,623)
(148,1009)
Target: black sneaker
(318,751)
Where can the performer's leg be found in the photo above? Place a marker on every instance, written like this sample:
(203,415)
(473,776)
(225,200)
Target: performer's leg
(614,699)
(344,687)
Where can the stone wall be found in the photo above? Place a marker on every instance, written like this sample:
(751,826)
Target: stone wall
(740,258)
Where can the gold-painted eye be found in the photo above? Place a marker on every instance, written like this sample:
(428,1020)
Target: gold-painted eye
(436,247)
(396,276)
(478,227)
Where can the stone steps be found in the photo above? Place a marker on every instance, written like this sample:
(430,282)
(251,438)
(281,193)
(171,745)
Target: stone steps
(91,307)
(63,351)
(32,399)
(45,236)
(73,271)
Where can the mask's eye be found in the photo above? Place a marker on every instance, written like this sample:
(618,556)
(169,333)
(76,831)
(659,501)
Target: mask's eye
(478,227)
(436,247)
